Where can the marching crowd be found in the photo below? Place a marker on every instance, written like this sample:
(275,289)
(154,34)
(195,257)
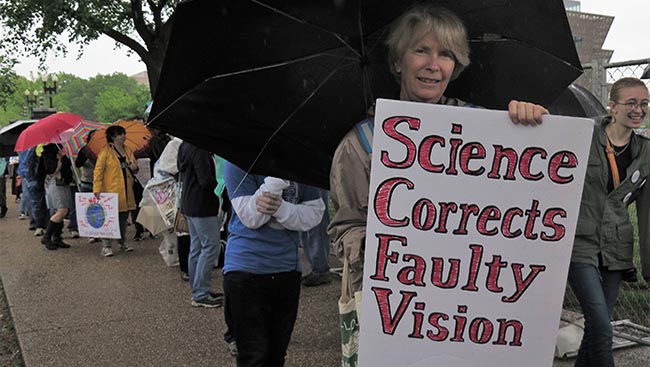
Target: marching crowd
(269,218)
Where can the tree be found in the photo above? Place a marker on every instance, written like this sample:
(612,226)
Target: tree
(16,104)
(83,97)
(75,95)
(7,81)
(113,104)
(104,98)
(142,26)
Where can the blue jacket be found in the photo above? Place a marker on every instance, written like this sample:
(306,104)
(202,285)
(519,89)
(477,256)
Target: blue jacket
(261,244)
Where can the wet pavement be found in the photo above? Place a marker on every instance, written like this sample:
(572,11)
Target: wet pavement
(72,307)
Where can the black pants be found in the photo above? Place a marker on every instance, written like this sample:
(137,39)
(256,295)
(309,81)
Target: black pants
(183,245)
(137,194)
(229,335)
(263,308)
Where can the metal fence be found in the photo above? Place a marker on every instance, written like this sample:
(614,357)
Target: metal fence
(634,298)
(599,76)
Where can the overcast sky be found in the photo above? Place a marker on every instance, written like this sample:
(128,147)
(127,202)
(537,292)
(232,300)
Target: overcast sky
(626,37)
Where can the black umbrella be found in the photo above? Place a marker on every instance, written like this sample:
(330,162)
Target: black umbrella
(9,134)
(274,85)
(577,101)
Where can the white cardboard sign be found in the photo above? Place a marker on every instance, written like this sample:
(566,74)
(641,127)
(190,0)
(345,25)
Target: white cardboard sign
(144,171)
(97,218)
(471,220)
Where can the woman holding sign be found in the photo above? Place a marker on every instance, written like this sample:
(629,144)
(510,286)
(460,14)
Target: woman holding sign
(114,171)
(619,164)
(427,48)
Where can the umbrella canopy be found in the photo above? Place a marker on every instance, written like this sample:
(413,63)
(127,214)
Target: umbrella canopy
(137,137)
(285,79)
(577,101)
(51,129)
(9,135)
(77,139)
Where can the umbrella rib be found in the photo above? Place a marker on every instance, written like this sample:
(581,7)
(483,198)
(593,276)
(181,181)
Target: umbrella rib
(286,120)
(266,67)
(235,73)
(360,25)
(511,39)
(336,35)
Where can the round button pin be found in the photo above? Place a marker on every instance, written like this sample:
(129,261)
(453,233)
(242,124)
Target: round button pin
(635,176)
(627,197)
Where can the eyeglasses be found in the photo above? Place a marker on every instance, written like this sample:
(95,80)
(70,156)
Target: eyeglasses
(631,105)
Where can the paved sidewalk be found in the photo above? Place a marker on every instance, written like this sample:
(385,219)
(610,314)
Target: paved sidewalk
(73,307)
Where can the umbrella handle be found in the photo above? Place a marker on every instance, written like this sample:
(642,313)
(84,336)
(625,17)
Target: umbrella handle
(73,166)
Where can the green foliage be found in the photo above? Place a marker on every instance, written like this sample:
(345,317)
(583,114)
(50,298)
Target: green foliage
(7,81)
(14,109)
(113,104)
(37,25)
(104,98)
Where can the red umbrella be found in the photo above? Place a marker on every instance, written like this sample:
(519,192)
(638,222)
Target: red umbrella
(47,130)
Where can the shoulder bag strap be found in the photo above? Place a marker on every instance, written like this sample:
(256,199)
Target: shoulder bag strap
(611,157)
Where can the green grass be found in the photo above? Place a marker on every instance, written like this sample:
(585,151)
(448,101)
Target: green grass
(10,355)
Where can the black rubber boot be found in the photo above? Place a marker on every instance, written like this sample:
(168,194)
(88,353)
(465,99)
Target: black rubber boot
(46,240)
(57,240)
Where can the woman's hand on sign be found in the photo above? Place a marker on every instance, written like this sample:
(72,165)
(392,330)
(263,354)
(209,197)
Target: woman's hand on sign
(526,113)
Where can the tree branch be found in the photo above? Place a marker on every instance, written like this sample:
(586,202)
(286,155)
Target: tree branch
(139,22)
(128,42)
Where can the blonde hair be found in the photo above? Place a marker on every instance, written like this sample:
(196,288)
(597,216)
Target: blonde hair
(420,20)
(623,83)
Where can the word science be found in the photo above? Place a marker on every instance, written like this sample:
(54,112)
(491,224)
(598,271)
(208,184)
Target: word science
(471,220)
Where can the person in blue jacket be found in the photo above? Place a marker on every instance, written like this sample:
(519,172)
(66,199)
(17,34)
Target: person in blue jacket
(262,271)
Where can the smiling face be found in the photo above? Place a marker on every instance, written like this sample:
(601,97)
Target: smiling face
(425,70)
(631,106)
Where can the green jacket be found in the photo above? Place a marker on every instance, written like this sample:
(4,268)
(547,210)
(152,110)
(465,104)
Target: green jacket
(604,224)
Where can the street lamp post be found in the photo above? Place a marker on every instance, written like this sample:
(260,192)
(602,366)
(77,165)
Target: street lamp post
(39,110)
(49,91)
(32,100)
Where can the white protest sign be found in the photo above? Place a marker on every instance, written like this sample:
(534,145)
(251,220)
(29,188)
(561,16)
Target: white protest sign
(144,171)
(97,218)
(471,220)
(163,194)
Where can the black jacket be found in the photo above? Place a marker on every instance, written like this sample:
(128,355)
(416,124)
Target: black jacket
(197,172)
(49,162)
